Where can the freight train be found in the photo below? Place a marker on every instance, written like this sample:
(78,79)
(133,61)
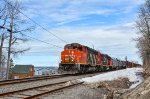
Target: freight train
(77,58)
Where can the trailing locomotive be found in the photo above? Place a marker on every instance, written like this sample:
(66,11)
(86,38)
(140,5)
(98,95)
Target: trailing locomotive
(77,58)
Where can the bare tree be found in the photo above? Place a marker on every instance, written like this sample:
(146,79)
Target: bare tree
(16,27)
(1,55)
(3,19)
(143,41)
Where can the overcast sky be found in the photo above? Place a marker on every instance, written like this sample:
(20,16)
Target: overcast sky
(106,25)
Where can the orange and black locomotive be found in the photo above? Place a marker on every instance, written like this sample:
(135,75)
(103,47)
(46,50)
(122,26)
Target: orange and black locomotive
(77,58)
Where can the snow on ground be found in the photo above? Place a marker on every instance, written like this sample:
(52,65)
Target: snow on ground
(130,73)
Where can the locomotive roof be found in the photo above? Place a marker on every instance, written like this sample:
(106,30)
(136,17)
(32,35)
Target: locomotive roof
(91,49)
(73,44)
(77,44)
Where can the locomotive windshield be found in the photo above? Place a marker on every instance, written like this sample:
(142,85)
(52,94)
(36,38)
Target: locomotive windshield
(77,48)
(73,47)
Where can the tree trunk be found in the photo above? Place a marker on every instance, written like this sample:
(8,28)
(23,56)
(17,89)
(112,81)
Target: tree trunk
(9,52)
(1,51)
(9,47)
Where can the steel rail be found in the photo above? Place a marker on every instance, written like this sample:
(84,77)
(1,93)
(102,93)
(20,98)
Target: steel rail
(21,79)
(7,82)
(26,89)
(52,91)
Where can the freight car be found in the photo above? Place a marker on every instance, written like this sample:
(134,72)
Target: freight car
(132,64)
(77,58)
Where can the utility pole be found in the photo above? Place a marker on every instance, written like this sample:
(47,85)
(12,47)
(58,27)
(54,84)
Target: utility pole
(126,59)
(93,46)
(1,55)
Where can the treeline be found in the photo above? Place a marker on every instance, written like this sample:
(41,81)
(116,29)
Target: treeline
(12,28)
(143,41)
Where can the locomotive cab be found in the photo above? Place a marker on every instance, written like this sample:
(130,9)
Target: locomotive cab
(72,57)
(73,53)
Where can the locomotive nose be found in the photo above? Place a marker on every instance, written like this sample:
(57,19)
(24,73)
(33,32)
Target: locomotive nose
(72,56)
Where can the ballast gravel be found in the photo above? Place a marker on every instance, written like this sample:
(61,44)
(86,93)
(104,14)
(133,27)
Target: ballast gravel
(78,92)
(19,86)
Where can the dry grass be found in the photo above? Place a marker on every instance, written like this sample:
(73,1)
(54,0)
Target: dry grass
(113,88)
(146,72)
(140,92)
(119,83)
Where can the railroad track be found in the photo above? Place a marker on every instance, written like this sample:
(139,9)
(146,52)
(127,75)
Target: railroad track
(13,92)
(15,81)
(39,91)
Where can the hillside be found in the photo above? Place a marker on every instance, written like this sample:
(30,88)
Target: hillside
(140,92)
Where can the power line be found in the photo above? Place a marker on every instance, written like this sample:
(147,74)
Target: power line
(39,26)
(44,28)
(41,41)
(37,23)
(33,38)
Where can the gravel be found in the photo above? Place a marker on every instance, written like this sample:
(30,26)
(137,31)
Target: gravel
(101,90)
(19,86)
(78,92)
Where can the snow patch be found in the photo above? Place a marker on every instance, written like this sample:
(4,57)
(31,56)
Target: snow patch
(131,73)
